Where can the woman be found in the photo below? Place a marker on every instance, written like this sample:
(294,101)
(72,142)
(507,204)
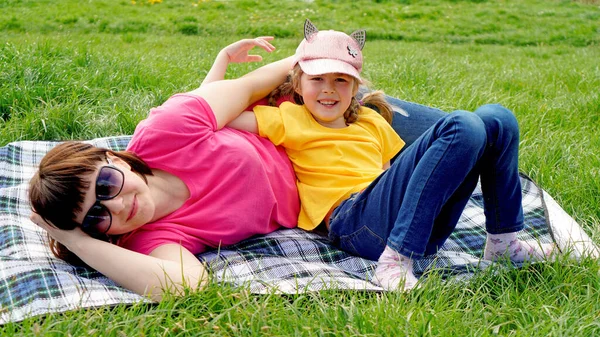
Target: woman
(184,184)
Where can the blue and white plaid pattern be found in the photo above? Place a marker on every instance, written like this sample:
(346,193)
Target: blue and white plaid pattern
(33,282)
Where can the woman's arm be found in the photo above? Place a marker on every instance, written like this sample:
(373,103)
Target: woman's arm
(228,98)
(237,52)
(168,268)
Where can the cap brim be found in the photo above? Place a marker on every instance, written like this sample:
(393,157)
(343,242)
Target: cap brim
(325,66)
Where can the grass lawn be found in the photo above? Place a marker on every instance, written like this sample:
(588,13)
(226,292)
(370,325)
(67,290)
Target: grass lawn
(84,69)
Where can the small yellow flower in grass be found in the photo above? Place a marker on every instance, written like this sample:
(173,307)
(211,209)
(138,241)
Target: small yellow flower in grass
(152,2)
(133,2)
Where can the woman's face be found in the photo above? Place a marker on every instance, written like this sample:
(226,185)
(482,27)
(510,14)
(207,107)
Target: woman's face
(130,209)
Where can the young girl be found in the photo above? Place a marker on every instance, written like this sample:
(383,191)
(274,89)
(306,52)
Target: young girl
(394,214)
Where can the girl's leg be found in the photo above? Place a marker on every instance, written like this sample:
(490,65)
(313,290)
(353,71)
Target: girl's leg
(501,188)
(410,120)
(413,206)
(415,119)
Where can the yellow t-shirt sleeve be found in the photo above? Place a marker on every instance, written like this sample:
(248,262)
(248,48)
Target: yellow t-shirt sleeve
(389,140)
(270,123)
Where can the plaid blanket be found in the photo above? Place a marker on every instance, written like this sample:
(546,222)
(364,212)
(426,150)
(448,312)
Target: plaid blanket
(33,282)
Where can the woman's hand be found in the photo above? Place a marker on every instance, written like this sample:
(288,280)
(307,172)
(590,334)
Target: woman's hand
(66,237)
(237,52)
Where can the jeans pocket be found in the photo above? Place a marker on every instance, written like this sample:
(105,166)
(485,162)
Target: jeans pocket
(363,242)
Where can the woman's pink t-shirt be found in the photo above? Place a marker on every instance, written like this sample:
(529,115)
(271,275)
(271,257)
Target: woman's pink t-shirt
(240,184)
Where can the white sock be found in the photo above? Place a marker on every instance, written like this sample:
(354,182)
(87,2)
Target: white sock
(394,271)
(499,246)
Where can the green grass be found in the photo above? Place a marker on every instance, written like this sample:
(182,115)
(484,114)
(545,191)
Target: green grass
(84,69)
(559,298)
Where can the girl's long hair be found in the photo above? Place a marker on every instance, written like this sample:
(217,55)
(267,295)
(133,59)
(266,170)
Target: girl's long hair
(374,100)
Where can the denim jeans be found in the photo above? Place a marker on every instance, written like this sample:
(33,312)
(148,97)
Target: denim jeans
(415,121)
(414,206)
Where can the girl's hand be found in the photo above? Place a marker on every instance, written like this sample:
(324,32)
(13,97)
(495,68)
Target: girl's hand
(237,52)
(65,237)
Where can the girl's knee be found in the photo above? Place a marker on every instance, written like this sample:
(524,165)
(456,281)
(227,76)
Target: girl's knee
(469,128)
(496,116)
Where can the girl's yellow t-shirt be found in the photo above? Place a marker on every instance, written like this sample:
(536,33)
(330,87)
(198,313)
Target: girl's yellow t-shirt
(330,164)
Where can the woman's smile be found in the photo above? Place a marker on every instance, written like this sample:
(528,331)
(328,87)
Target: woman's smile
(134,208)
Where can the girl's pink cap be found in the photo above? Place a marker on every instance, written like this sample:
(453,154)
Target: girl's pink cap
(330,51)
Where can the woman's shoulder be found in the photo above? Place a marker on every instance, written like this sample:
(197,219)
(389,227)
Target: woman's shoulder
(182,102)
(180,111)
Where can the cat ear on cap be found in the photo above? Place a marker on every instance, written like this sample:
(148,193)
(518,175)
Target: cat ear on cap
(360,36)
(310,30)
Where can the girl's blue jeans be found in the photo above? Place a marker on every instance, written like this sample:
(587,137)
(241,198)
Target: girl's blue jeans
(414,206)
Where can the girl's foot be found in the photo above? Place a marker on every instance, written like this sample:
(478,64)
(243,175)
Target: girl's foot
(394,271)
(502,246)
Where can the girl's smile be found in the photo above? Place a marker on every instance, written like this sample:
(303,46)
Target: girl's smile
(327,97)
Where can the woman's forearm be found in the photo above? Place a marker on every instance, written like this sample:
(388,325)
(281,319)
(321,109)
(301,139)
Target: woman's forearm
(237,52)
(265,79)
(146,275)
(229,98)
(218,69)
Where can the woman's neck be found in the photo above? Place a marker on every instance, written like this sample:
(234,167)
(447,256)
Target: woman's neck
(169,193)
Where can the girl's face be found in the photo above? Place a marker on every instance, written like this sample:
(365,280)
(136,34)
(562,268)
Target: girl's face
(130,209)
(327,97)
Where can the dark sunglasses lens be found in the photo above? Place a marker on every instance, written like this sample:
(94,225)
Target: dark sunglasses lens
(97,220)
(109,183)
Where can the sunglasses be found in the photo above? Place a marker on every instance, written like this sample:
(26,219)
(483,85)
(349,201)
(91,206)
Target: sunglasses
(109,184)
